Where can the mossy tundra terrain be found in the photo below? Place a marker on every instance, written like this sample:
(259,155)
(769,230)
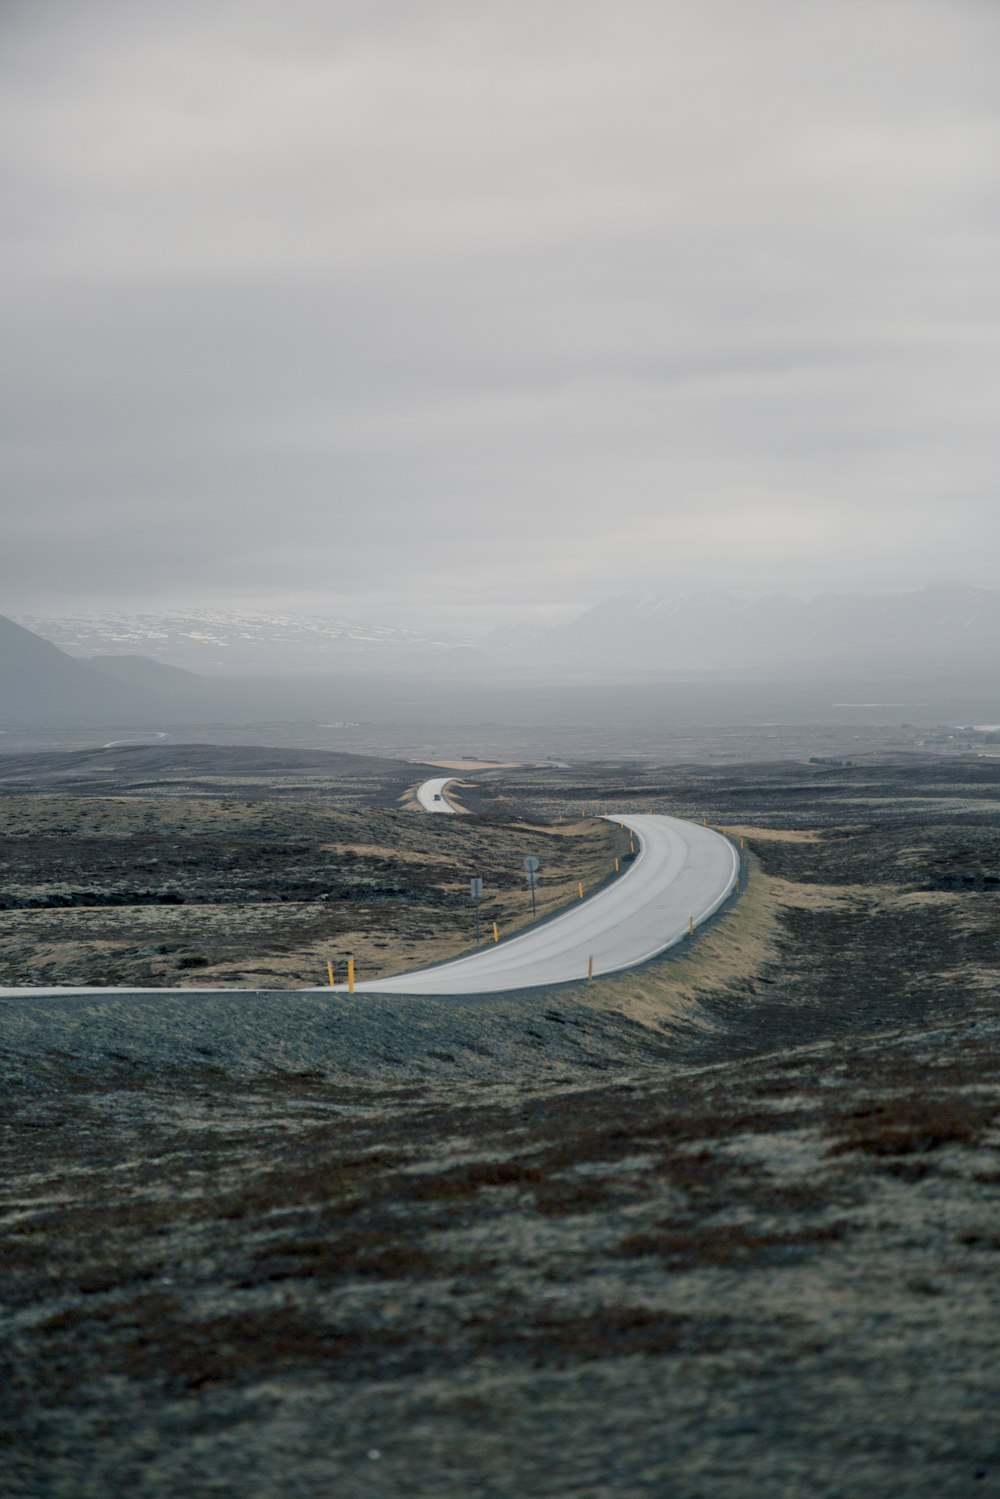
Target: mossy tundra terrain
(724,1226)
(211,892)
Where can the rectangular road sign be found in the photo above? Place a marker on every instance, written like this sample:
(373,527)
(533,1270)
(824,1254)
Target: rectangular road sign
(476,889)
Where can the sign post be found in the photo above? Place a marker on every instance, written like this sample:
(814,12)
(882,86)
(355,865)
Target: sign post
(476,891)
(531,873)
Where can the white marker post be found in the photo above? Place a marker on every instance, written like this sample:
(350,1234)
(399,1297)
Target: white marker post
(476,891)
(531,868)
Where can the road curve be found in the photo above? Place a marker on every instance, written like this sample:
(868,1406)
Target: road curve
(681,873)
(431,795)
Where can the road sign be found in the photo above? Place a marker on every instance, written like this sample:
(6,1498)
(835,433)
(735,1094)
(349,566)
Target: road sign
(531,863)
(476,889)
(532,879)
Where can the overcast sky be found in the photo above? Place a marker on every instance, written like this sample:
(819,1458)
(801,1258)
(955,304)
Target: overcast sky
(452,311)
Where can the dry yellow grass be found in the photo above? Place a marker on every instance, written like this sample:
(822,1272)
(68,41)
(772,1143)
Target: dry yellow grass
(385,952)
(377,851)
(737,948)
(775,835)
(475,764)
(667,989)
(425,915)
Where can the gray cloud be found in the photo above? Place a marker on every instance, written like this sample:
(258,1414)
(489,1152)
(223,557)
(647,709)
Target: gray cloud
(409,309)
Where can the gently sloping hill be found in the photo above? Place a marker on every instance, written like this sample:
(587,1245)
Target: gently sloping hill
(247,771)
(530,1246)
(519,1290)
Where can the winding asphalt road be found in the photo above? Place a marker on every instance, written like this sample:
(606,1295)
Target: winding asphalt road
(431,795)
(682,873)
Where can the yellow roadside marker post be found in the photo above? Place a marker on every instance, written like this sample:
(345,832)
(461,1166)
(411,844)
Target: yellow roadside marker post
(350,975)
(616,866)
(329,969)
(496,932)
(590,968)
(690,926)
(580,888)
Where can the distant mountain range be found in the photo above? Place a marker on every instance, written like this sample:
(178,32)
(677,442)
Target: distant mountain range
(633,632)
(285,667)
(40,684)
(224,642)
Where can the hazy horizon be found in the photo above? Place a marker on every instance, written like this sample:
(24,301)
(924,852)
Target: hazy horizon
(476,625)
(456,317)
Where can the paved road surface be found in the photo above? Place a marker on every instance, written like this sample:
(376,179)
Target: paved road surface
(681,871)
(430,791)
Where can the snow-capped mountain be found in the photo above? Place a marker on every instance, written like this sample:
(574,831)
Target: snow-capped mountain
(217,641)
(948,625)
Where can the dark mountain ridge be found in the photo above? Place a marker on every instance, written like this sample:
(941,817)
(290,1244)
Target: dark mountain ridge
(40,683)
(144,672)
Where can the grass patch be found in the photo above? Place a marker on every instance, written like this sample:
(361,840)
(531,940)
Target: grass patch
(726,1244)
(236,1348)
(364,1253)
(911,1125)
(616,1331)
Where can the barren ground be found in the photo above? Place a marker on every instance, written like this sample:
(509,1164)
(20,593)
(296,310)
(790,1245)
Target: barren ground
(724,1227)
(235,876)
